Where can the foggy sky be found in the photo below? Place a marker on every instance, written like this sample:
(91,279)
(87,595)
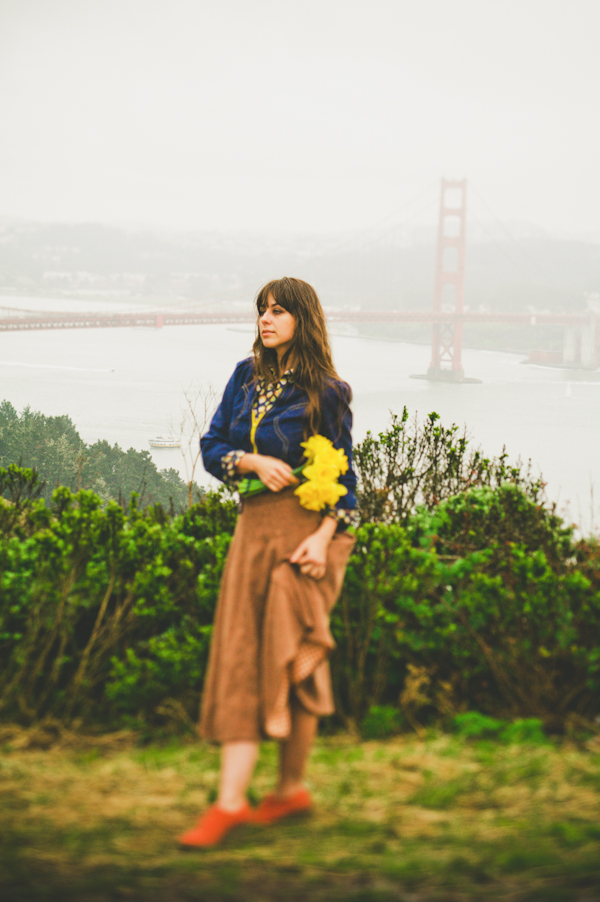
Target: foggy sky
(315,116)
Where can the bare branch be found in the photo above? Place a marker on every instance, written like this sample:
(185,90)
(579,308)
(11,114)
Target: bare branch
(200,402)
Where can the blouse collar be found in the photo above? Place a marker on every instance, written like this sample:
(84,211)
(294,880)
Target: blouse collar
(286,377)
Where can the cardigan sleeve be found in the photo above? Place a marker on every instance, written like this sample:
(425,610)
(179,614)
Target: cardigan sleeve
(218,452)
(337,426)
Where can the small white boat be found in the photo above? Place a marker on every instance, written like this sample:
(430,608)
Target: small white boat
(164,441)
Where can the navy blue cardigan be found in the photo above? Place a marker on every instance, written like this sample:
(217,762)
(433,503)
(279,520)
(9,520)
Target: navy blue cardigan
(281,430)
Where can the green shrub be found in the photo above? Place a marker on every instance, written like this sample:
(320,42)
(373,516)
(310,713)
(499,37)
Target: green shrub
(163,672)
(473,725)
(381,721)
(525,731)
(412,465)
(493,519)
(386,576)
(450,613)
(103,611)
(484,604)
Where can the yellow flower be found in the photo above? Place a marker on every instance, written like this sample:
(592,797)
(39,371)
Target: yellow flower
(310,496)
(320,450)
(313,445)
(325,464)
(321,472)
(340,459)
(315,496)
(332,493)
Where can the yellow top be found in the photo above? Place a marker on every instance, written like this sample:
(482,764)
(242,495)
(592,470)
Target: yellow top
(265,397)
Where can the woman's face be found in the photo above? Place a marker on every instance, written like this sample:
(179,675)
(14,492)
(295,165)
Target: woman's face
(276,327)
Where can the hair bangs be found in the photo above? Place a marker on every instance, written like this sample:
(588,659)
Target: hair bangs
(282,291)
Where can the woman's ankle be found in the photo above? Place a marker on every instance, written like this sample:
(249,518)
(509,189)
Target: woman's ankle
(286,788)
(231,805)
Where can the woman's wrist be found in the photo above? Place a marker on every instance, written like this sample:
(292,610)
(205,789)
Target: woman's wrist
(247,464)
(327,528)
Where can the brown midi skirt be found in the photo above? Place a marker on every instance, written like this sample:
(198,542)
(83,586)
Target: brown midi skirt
(271,634)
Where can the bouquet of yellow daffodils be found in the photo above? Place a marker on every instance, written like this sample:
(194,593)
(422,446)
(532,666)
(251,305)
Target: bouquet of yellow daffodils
(321,472)
(325,465)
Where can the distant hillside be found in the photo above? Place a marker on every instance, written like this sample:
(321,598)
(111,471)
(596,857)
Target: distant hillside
(394,269)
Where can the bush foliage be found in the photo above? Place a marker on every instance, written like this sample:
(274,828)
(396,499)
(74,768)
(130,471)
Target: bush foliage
(413,465)
(103,610)
(483,602)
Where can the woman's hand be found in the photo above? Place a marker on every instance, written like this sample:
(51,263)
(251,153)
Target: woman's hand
(275,473)
(311,553)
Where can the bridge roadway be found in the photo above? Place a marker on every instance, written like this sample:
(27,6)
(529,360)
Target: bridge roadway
(158,319)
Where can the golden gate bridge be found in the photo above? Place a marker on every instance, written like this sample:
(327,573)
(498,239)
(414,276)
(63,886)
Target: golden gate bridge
(581,345)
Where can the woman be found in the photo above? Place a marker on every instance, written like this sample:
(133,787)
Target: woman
(268,675)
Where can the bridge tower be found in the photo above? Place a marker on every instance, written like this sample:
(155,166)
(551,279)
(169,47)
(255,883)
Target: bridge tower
(449,288)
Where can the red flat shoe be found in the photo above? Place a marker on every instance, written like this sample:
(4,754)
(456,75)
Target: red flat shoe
(213,826)
(275,808)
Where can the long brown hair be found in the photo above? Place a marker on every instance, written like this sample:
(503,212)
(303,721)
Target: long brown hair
(309,351)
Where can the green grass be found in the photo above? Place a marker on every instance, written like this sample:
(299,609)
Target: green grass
(443,819)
